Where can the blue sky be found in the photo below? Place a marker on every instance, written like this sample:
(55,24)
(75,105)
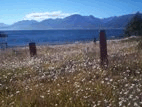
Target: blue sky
(15,10)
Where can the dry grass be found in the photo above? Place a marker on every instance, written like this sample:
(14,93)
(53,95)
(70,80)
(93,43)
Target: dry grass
(70,76)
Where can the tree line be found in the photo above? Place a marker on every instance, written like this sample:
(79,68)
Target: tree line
(134,27)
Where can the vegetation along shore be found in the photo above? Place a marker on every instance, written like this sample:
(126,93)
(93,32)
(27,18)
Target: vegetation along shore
(70,76)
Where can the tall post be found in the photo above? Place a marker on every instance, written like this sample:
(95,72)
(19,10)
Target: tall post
(103,49)
(32,48)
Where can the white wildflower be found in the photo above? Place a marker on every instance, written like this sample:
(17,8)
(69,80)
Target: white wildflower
(17,92)
(135,104)
(102,82)
(42,96)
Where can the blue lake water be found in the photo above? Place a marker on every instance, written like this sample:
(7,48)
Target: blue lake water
(23,37)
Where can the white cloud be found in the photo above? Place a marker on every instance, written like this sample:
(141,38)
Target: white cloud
(45,15)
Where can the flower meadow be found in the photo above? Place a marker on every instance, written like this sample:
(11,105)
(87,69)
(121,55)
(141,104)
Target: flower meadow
(70,76)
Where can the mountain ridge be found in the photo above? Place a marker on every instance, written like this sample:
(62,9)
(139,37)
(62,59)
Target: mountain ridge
(75,21)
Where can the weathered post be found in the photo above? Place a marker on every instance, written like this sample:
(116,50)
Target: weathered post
(32,48)
(94,40)
(103,49)
(3,41)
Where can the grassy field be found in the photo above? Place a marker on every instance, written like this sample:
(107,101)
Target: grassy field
(70,76)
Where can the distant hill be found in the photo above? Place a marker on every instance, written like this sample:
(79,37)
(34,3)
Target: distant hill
(2,25)
(75,21)
(118,22)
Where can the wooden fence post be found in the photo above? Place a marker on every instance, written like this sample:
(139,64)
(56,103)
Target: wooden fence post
(103,49)
(94,40)
(32,47)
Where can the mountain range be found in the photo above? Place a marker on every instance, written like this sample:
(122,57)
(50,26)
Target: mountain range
(75,21)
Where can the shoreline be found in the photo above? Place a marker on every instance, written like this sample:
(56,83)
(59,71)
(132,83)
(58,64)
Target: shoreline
(73,43)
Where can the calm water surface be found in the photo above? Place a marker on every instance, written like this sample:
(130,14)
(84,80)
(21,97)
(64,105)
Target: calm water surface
(22,38)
